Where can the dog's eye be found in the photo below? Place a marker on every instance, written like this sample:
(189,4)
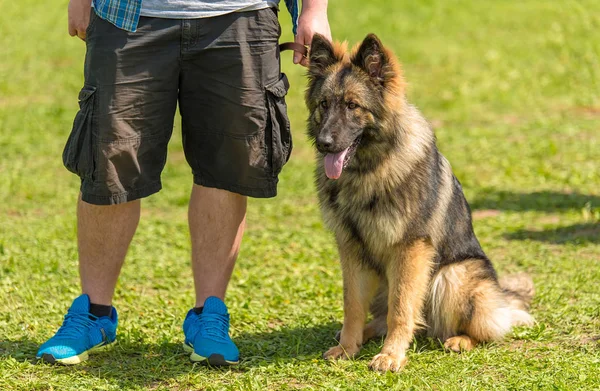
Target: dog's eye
(352,105)
(324,104)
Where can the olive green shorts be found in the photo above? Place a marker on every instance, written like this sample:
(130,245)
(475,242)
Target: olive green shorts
(224,72)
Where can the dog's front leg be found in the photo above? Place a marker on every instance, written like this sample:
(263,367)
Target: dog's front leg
(408,280)
(359,287)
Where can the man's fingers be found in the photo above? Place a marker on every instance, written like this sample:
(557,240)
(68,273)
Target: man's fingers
(298,39)
(79,17)
(79,32)
(300,59)
(301,38)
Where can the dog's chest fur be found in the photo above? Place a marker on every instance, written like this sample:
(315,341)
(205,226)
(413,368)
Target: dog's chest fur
(367,212)
(384,210)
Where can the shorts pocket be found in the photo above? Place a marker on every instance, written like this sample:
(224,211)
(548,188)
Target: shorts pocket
(278,135)
(272,14)
(92,21)
(78,155)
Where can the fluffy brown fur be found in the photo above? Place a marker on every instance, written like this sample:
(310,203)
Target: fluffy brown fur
(400,219)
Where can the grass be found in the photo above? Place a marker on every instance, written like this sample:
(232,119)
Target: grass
(512,89)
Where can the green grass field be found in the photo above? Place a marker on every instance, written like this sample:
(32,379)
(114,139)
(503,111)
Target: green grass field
(513,91)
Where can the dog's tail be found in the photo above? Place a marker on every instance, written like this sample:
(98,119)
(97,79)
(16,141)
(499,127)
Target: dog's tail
(519,292)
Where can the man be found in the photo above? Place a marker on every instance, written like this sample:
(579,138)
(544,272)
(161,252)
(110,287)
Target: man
(220,61)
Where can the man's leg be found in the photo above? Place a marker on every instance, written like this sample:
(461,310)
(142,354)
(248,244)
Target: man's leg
(103,236)
(118,147)
(234,135)
(217,219)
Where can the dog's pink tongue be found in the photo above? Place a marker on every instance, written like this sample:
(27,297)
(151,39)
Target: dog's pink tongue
(334,164)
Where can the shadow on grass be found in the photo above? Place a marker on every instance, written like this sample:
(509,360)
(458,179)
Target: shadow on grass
(20,350)
(309,343)
(124,363)
(285,344)
(578,234)
(129,364)
(544,201)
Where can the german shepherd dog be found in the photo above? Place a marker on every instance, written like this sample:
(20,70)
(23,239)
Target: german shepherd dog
(401,222)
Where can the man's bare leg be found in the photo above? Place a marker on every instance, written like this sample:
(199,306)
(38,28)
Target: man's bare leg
(216,219)
(103,235)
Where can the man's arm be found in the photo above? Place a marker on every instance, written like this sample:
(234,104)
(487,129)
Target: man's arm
(79,17)
(313,19)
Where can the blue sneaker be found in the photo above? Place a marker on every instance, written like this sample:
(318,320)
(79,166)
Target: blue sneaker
(80,333)
(207,335)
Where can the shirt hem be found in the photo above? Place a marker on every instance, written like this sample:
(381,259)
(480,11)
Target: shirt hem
(203,14)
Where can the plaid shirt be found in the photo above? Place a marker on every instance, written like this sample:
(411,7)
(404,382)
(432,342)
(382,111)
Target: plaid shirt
(125,14)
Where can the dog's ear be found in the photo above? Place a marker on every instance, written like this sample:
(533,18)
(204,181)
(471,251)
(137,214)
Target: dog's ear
(321,55)
(373,59)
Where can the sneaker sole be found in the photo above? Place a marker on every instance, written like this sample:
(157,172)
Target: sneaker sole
(215,360)
(73,360)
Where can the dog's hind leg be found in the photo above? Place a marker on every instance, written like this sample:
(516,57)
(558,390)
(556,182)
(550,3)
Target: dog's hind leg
(374,329)
(460,343)
(377,327)
(359,287)
(408,280)
(379,308)
(467,305)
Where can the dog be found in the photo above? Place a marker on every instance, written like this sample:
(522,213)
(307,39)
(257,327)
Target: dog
(401,222)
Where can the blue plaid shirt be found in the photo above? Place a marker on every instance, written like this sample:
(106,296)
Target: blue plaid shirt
(125,14)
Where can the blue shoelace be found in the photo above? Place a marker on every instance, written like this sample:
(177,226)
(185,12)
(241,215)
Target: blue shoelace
(75,325)
(214,326)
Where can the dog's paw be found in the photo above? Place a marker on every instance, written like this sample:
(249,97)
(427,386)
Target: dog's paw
(384,362)
(459,343)
(339,353)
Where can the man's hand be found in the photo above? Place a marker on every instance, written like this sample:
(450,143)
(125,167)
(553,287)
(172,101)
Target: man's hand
(79,17)
(313,19)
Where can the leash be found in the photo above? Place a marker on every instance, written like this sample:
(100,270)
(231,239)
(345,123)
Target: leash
(297,47)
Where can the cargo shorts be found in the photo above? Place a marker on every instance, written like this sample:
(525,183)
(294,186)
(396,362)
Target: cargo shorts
(224,72)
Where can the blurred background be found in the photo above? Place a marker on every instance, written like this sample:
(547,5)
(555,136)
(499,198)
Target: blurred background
(512,89)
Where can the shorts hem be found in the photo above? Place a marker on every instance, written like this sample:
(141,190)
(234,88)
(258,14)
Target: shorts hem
(120,198)
(268,191)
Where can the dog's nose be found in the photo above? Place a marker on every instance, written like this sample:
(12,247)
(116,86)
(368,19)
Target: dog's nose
(324,142)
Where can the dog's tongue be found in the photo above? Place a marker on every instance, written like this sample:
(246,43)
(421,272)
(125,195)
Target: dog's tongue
(334,164)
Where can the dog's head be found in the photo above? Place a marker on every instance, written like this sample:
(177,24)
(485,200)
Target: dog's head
(350,97)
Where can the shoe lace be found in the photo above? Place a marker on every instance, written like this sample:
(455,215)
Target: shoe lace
(76,324)
(215,326)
